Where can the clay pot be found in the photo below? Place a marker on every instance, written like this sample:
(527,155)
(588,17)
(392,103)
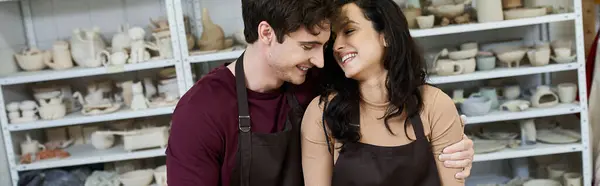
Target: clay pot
(489,10)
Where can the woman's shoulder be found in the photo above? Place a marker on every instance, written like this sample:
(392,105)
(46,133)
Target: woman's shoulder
(318,102)
(434,96)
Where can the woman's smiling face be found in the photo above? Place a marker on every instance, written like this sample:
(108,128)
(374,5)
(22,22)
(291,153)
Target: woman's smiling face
(358,47)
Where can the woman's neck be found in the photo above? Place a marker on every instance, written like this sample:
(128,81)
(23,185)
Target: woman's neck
(373,90)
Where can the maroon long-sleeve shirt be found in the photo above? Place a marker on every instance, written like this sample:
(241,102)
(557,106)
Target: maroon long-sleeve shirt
(204,130)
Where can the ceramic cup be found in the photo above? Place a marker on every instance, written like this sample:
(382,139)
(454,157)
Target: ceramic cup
(511,92)
(486,63)
(567,92)
(572,179)
(562,52)
(556,171)
(27,105)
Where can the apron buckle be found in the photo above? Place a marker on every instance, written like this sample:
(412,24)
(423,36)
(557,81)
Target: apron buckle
(244,128)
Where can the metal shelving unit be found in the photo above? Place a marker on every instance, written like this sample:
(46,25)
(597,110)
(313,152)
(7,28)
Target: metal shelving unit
(86,154)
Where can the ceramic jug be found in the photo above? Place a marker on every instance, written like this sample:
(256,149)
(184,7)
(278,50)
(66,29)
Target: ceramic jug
(33,59)
(61,56)
(53,109)
(88,48)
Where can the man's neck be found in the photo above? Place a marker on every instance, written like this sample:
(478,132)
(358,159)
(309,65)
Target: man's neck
(259,76)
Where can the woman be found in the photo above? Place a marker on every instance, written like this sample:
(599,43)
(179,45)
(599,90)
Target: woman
(377,122)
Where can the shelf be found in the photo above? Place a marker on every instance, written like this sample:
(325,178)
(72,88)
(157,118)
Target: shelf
(78,118)
(560,109)
(462,28)
(49,74)
(217,56)
(502,72)
(87,154)
(538,150)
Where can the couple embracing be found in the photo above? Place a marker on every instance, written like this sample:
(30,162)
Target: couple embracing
(328,92)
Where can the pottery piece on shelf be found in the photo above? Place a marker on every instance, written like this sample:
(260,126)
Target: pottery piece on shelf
(515,105)
(556,171)
(94,98)
(485,61)
(458,96)
(138,101)
(540,55)
(542,182)
(520,13)
(476,105)
(102,141)
(33,59)
(213,37)
(143,138)
(528,132)
(446,67)
(104,178)
(567,92)
(567,59)
(30,146)
(119,58)
(487,146)
(463,54)
(160,175)
(61,56)
(489,10)
(511,92)
(160,25)
(88,48)
(138,46)
(468,65)
(544,97)
(425,22)
(449,11)
(557,136)
(163,43)
(572,179)
(52,109)
(137,178)
(510,55)
(121,40)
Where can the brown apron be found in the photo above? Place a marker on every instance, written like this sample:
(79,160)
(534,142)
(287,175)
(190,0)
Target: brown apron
(369,165)
(266,159)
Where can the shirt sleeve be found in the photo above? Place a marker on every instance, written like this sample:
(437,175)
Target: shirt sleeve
(446,129)
(317,162)
(194,148)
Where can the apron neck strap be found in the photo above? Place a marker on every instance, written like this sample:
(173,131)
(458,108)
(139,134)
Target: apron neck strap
(242,95)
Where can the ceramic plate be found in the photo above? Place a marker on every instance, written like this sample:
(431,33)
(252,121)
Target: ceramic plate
(487,146)
(557,136)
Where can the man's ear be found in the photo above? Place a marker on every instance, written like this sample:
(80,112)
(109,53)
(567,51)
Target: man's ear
(265,33)
(382,40)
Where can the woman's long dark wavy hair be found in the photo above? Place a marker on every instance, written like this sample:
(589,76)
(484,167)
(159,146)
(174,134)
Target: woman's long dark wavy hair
(403,60)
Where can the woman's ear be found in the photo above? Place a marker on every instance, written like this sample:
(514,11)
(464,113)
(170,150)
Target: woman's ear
(382,40)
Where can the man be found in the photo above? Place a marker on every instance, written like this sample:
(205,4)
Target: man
(239,124)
